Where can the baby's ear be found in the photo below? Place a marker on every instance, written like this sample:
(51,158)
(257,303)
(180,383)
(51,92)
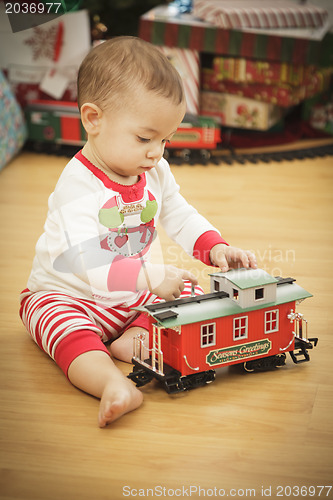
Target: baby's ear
(91,118)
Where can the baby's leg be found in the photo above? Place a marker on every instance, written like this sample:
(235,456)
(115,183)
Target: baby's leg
(79,351)
(122,347)
(95,373)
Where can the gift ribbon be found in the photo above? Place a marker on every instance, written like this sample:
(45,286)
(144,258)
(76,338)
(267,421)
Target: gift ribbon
(58,44)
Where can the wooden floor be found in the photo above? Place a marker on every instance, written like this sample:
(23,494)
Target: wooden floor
(241,435)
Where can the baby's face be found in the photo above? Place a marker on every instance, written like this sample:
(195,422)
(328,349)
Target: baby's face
(132,139)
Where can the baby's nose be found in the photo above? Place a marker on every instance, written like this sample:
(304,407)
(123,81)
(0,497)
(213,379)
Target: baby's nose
(156,152)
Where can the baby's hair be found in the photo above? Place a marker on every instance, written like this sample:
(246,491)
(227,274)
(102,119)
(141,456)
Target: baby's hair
(112,71)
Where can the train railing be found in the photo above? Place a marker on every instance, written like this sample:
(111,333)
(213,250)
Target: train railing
(300,325)
(151,358)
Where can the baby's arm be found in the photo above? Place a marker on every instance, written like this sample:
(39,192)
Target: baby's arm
(164,281)
(226,257)
(167,281)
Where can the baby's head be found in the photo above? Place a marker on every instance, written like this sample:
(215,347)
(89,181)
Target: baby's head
(112,72)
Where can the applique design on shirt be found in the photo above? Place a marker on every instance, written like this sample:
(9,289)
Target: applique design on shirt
(130,224)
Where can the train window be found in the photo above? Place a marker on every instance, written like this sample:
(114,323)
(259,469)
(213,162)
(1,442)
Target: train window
(259,293)
(271,321)
(240,328)
(235,294)
(216,286)
(208,335)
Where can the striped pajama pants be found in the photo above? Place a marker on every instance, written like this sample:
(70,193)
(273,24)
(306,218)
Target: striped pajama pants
(65,327)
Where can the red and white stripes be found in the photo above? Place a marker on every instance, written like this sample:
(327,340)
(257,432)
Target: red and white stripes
(187,63)
(50,317)
(268,14)
(59,323)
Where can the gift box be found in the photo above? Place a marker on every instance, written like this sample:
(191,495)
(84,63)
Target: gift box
(13,131)
(240,112)
(42,62)
(249,70)
(283,95)
(187,63)
(161,27)
(257,14)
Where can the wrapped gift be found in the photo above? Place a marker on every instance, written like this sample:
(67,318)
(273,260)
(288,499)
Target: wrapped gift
(283,95)
(249,70)
(12,127)
(42,62)
(257,14)
(240,112)
(160,26)
(187,63)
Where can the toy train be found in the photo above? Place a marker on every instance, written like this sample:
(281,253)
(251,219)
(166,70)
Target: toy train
(249,318)
(57,123)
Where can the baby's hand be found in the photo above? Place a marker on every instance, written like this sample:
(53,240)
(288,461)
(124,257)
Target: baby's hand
(164,281)
(226,258)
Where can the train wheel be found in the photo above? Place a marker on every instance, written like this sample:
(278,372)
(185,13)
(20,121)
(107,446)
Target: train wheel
(185,154)
(38,147)
(266,363)
(205,155)
(56,149)
(173,384)
(281,359)
(198,379)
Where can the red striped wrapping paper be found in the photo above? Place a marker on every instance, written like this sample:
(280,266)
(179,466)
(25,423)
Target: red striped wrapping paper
(187,63)
(259,14)
(188,32)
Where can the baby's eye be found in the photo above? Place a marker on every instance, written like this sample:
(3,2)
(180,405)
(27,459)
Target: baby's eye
(143,139)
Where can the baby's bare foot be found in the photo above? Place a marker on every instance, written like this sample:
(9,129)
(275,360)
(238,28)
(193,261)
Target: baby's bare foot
(115,402)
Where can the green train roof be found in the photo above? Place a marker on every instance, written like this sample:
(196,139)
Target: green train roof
(214,305)
(247,278)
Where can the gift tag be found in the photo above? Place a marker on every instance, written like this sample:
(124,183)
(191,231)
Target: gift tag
(54,83)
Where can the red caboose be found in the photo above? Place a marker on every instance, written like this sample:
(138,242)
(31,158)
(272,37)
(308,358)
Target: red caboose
(250,317)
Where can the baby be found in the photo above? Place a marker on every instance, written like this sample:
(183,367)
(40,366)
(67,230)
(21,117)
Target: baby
(92,265)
